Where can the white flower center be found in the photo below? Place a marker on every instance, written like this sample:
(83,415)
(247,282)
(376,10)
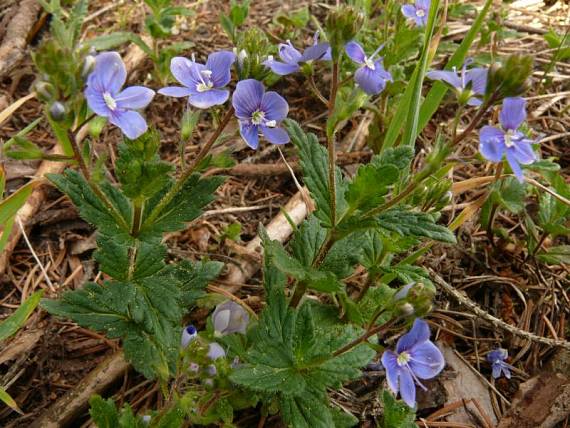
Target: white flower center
(205,85)
(509,138)
(369,63)
(110,101)
(403,359)
(258,117)
(420,13)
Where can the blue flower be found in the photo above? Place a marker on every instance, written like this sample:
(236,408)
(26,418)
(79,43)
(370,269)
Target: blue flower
(188,335)
(371,76)
(215,351)
(203,83)
(467,85)
(229,317)
(291,57)
(259,111)
(418,12)
(105,97)
(494,143)
(416,357)
(497,359)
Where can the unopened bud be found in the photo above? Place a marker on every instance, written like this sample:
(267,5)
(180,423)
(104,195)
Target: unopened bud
(57,111)
(44,90)
(511,78)
(342,25)
(88,66)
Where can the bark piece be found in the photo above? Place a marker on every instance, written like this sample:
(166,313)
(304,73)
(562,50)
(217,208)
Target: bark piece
(465,385)
(541,402)
(14,43)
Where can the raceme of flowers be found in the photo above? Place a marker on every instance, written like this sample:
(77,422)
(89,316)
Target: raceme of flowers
(415,358)
(508,141)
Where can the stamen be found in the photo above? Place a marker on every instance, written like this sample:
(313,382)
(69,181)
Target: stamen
(420,13)
(271,123)
(257,117)
(369,63)
(509,136)
(109,101)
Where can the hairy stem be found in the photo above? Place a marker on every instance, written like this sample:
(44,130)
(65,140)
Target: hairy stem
(191,168)
(476,120)
(331,145)
(371,331)
(494,207)
(298,294)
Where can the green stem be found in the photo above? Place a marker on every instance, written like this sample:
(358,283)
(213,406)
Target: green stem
(367,334)
(188,172)
(300,291)
(331,145)
(494,206)
(456,120)
(476,120)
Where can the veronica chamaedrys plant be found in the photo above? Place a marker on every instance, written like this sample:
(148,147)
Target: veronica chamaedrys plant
(105,97)
(291,57)
(371,75)
(469,85)
(416,358)
(259,111)
(229,317)
(204,84)
(509,141)
(215,351)
(418,12)
(497,359)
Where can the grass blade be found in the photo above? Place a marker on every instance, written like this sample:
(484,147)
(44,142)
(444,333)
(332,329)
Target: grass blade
(9,401)
(14,322)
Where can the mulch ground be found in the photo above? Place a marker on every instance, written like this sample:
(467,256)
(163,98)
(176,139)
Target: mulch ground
(52,356)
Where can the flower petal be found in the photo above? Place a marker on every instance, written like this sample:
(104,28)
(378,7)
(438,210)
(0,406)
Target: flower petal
(250,134)
(478,79)
(492,143)
(449,77)
(370,81)
(421,21)
(514,164)
(390,363)
(175,91)
(281,68)
(289,54)
(426,360)
(96,102)
(407,388)
(274,106)
(315,52)
(496,370)
(109,74)
(523,152)
(220,64)
(409,11)
(247,97)
(355,52)
(474,102)
(134,97)
(221,319)
(513,113)
(275,135)
(182,70)
(417,335)
(207,99)
(423,4)
(131,123)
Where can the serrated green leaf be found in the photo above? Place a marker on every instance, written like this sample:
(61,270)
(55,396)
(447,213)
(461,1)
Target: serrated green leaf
(369,186)
(556,255)
(412,223)
(106,415)
(307,240)
(396,413)
(400,157)
(315,173)
(511,194)
(307,411)
(14,322)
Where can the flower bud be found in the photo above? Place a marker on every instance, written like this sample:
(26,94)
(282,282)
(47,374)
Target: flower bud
(88,66)
(413,299)
(194,368)
(188,335)
(211,370)
(215,351)
(342,25)
(146,419)
(44,90)
(511,78)
(57,111)
(229,317)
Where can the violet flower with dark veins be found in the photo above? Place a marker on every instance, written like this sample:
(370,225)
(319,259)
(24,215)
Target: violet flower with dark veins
(494,143)
(105,97)
(416,358)
(203,84)
(259,111)
(371,76)
(291,57)
(497,359)
(468,85)
(418,12)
